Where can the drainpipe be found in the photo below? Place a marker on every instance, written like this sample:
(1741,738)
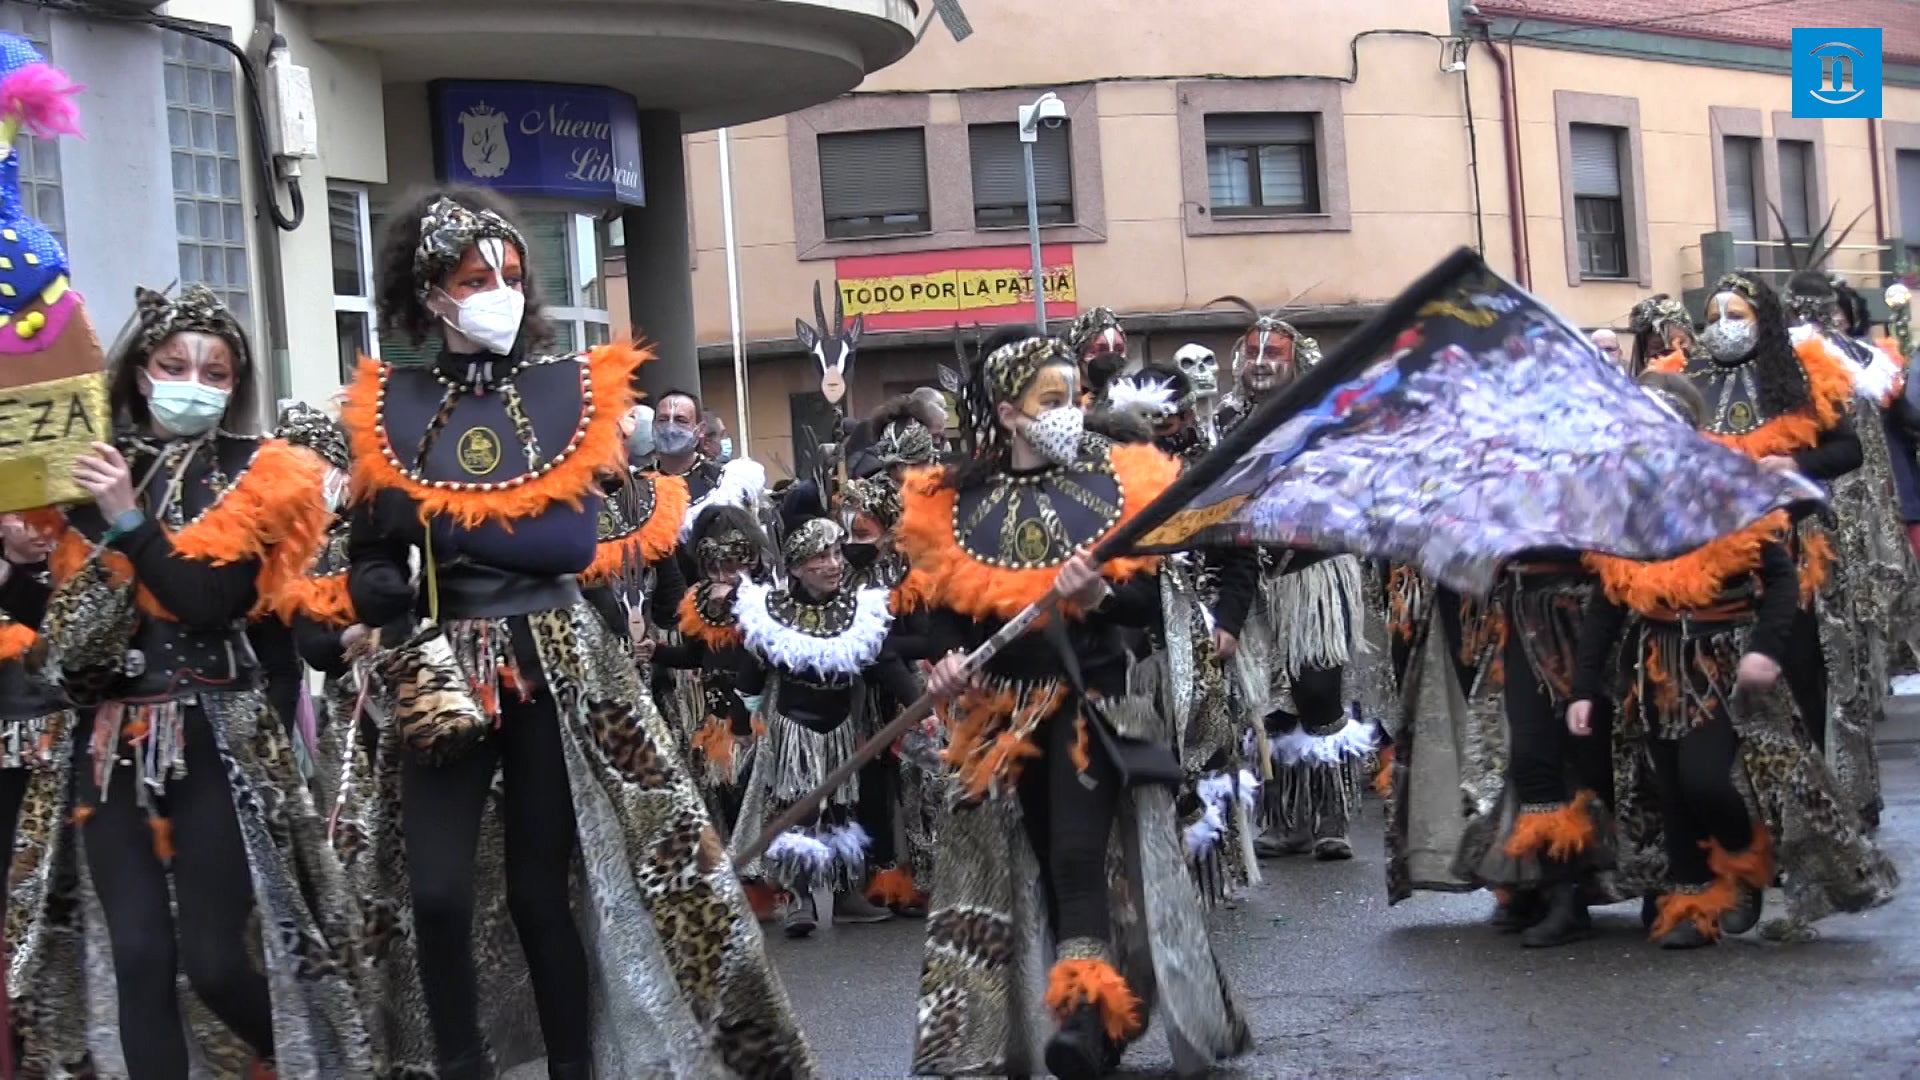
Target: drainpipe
(1875,167)
(260,47)
(1510,138)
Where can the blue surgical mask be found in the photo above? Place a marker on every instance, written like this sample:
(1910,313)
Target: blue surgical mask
(186,407)
(726,450)
(674,439)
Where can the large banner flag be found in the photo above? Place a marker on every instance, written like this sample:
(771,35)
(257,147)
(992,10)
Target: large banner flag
(1465,424)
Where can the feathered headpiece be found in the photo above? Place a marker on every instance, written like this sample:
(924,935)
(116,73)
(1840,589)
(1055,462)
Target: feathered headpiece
(447,230)
(1148,398)
(1306,351)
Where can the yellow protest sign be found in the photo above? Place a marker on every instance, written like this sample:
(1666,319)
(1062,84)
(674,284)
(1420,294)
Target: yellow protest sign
(44,428)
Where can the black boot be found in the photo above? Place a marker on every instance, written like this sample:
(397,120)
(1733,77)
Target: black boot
(558,1071)
(1684,935)
(1745,914)
(1566,920)
(1080,1050)
(1523,908)
(473,1066)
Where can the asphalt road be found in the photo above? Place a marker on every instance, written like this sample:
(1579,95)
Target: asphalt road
(1340,985)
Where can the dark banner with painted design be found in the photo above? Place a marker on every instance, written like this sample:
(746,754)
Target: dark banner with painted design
(1465,425)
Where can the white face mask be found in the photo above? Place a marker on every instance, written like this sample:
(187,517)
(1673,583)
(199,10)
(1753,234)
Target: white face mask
(186,407)
(489,319)
(1055,434)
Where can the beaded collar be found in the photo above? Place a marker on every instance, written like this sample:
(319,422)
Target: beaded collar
(538,466)
(1033,520)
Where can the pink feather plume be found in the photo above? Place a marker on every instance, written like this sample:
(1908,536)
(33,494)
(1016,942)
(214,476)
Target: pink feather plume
(42,95)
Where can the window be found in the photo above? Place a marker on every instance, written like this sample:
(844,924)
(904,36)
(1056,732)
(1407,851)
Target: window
(568,270)
(1599,210)
(1906,165)
(353,315)
(1262,164)
(39,161)
(1740,156)
(874,183)
(1796,187)
(1000,176)
(209,207)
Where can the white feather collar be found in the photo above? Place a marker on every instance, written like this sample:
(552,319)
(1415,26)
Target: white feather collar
(742,482)
(843,655)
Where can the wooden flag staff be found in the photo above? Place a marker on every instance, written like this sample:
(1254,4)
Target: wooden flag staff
(1370,340)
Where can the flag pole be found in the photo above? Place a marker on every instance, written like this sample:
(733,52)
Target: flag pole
(1373,337)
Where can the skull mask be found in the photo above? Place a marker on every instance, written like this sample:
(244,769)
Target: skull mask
(1201,368)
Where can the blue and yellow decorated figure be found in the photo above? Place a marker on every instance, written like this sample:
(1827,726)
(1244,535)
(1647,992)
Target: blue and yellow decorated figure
(50,358)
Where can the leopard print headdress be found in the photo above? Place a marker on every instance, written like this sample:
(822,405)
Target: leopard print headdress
(447,230)
(196,310)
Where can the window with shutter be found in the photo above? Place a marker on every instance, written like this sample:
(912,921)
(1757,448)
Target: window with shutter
(1262,164)
(874,183)
(1598,208)
(1000,176)
(1743,203)
(1907,172)
(1796,187)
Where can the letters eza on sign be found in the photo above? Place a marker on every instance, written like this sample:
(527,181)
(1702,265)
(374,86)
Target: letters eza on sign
(983,285)
(1836,72)
(44,428)
(544,139)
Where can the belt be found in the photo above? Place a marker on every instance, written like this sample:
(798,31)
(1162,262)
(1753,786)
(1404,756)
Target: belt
(473,591)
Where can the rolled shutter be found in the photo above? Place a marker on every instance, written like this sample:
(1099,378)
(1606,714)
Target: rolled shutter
(1742,208)
(1259,129)
(1796,186)
(873,173)
(1000,168)
(1907,166)
(1596,160)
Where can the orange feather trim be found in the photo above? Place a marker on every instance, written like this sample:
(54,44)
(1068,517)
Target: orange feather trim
(652,541)
(695,626)
(271,513)
(959,582)
(162,837)
(323,598)
(715,742)
(1816,558)
(1383,776)
(893,887)
(1693,580)
(594,448)
(1703,909)
(1829,389)
(911,594)
(1563,833)
(1752,867)
(1078,754)
(1073,983)
(15,640)
(1674,363)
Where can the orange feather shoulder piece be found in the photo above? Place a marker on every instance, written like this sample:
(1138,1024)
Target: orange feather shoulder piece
(652,541)
(1692,581)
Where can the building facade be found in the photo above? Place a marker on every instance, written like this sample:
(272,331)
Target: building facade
(1317,154)
(578,111)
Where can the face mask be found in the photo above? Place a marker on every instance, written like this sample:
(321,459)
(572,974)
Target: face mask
(187,408)
(1730,339)
(640,442)
(674,439)
(726,450)
(491,319)
(860,554)
(1055,434)
(1104,368)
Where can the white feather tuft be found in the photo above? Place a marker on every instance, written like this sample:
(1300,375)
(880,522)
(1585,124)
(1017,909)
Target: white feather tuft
(844,655)
(1354,740)
(849,844)
(1144,397)
(801,851)
(743,481)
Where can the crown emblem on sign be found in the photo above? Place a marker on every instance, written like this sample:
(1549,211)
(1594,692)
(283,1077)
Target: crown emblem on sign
(480,109)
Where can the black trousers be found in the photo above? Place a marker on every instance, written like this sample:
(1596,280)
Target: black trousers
(879,794)
(441,809)
(1545,762)
(1805,668)
(1068,822)
(213,886)
(1698,800)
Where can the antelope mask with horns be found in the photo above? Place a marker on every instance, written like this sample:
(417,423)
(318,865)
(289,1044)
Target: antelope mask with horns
(832,345)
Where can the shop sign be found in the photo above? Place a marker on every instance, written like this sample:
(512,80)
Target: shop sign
(542,139)
(930,290)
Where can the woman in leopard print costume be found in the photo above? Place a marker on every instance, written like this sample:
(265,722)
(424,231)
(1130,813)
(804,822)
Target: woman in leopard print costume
(501,445)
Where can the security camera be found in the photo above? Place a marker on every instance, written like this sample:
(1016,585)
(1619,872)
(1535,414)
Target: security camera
(1049,110)
(1053,111)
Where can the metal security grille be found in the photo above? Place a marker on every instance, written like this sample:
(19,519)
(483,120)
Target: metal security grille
(1262,164)
(1000,176)
(209,202)
(874,183)
(39,161)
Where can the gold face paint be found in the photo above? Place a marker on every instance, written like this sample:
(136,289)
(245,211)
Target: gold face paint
(1053,386)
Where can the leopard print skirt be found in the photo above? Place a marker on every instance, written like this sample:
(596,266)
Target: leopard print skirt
(679,981)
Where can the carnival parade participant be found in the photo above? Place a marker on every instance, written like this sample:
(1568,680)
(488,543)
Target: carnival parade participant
(1697,683)
(487,462)
(634,573)
(197,825)
(1100,346)
(1307,628)
(811,649)
(1040,784)
(1661,328)
(1785,405)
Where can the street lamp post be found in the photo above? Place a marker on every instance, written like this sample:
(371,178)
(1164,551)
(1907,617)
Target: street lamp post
(1049,109)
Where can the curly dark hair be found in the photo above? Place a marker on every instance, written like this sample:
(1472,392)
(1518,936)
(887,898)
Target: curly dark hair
(1782,381)
(396,295)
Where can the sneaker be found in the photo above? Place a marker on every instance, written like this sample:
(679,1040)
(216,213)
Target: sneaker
(851,907)
(1332,849)
(800,917)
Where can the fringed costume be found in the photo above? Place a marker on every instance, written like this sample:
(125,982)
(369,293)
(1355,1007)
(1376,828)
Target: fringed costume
(1708,848)
(197,827)
(639,949)
(810,656)
(1042,746)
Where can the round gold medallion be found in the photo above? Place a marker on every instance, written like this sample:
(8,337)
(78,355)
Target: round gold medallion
(1030,541)
(478,451)
(810,619)
(1740,416)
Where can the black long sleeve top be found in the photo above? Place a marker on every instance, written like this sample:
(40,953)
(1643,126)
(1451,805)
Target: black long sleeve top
(1836,454)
